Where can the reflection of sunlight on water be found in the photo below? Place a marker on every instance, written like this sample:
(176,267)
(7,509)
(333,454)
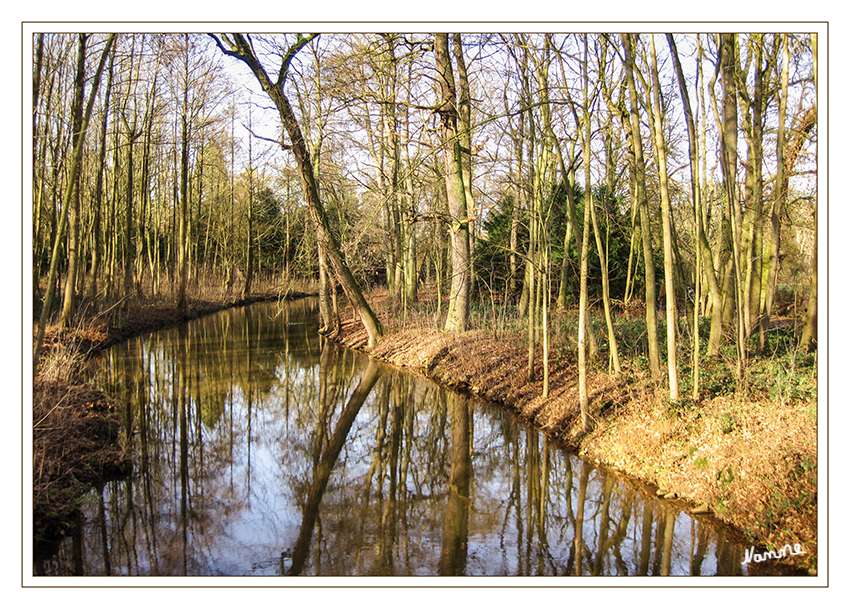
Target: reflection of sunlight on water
(234,416)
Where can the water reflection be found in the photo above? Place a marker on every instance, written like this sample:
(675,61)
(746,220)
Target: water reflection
(263,449)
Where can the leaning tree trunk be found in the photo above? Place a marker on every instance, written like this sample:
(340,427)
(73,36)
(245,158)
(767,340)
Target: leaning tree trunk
(704,248)
(241,48)
(72,173)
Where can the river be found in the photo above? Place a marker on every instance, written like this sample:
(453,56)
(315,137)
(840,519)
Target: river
(261,448)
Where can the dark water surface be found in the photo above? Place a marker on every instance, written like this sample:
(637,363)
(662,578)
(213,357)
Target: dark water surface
(262,449)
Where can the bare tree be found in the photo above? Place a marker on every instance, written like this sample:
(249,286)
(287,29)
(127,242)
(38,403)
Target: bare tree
(241,47)
(666,219)
(457,319)
(640,196)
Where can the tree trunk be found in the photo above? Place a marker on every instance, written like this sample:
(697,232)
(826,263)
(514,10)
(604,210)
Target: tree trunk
(613,351)
(457,318)
(183,218)
(704,249)
(241,49)
(249,258)
(640,194)
(464,107)
(97,250)
(729,159)
(670,291)
(809,339)
(74,212)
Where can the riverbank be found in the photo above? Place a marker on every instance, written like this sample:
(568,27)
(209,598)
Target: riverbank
(751,462)
(77,440)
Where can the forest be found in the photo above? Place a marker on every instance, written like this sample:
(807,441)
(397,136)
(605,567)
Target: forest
(638,207)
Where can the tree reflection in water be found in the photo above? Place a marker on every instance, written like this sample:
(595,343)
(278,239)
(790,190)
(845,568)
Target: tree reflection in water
(261,448)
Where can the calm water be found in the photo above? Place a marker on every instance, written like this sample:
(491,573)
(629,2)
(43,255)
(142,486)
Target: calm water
(262,449)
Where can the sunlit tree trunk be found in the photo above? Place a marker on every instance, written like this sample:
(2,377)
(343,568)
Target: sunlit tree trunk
(97,249)
(249,258)
(574,227)
(753,257)
(129,118)
(666,219)
(457,318)
(582,302)
(411,266)
(809,340)
(568,180)
(464,115)
(640,194)
(704,259)
(183,217)
(37,185)
(543,170)
(729,159)
(613,351)
(779,193)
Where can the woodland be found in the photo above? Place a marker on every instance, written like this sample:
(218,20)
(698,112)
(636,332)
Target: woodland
(641,206)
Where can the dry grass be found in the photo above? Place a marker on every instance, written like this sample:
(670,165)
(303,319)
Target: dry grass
(753,464)
(75,444)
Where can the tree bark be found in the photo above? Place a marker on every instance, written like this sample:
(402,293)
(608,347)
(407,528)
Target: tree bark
(640,194)
(464,107)
(457,318)
(74,213)
(239,46)
(183,219)
(669,287)
(97,250)
(809,340)
(729,160)
(716,331)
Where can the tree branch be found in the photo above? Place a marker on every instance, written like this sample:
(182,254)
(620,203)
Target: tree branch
(290,55)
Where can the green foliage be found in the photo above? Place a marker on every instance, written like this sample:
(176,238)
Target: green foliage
(785,373)
(725,477)
(727,422)
(492,252)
